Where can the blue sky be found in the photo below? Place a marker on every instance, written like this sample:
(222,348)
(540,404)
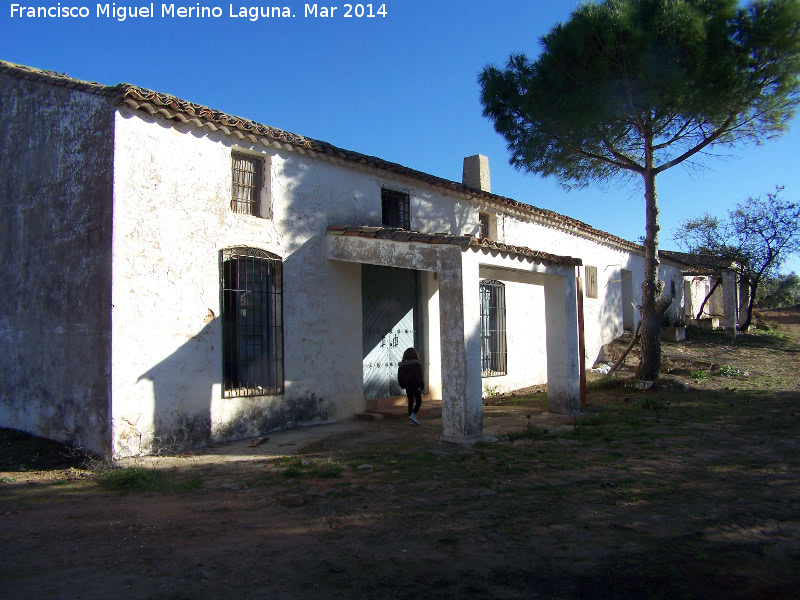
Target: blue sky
(402,87)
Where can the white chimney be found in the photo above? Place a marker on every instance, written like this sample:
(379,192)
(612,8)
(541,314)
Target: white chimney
(476,173)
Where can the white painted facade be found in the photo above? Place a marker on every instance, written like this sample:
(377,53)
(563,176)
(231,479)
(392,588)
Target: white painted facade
(603,315)
(170,197)
(171,223)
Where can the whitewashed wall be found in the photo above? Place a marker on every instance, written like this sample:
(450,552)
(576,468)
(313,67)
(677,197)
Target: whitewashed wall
(170,198)
(525,336)
(603,316)
(55,244)
(696,289)
(171,219)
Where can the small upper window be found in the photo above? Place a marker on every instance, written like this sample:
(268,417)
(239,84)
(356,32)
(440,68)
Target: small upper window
(483,219)
(396,209)
(591,282)
(247,173)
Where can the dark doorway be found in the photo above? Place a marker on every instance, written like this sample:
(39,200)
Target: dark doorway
(390,317)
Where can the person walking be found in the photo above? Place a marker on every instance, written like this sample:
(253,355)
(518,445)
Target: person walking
(411,379)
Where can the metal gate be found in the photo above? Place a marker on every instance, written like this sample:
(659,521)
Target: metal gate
(389,314)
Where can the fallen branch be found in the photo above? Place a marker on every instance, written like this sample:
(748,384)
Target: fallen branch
(621,359)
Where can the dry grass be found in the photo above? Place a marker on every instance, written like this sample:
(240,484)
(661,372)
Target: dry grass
(698,499)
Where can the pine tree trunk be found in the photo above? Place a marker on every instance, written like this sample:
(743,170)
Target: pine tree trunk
(650,363)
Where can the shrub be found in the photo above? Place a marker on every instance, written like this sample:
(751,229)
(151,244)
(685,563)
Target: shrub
(728,371)
(130,479)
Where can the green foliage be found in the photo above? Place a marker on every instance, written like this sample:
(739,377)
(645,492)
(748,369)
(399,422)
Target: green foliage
(142,479)
(728,371)
(525,400)
(631,88)
(327,472)
(292,473)
(131,479)
(778,291)
(698,375)
(655,404)
(623,76)
(530,432)
(606,383)
(754,240)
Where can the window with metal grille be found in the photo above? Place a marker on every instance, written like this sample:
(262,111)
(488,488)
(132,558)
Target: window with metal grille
(591,282)
(396,209)
(246,184)
(494,359)
(252,322)
(483,219)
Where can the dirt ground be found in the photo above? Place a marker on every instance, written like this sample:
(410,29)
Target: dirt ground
(690,489)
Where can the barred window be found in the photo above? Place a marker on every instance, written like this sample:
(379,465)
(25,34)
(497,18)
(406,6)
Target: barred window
(246,184)
(483,219)
(396,208)
(591,282)
(252,322)
(494,359)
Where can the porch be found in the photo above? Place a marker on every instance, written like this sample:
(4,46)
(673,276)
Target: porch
(457,265)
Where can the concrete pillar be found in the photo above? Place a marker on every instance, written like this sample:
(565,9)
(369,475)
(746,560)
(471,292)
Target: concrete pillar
(459,309)
(688,306)
(563,356)
(729,302)
(716,304)
(744,299)
(430,323)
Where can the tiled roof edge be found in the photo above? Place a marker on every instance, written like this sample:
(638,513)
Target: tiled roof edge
(62,80)
(138,97)
(693,264)
(403,235)
(527,252)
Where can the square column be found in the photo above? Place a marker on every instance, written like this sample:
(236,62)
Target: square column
(459,308)
(730,304)
(744,299)
(563,355)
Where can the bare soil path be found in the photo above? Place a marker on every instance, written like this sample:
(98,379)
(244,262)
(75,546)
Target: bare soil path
(698,499)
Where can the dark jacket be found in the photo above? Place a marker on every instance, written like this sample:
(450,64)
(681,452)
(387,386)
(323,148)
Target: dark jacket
(409,375)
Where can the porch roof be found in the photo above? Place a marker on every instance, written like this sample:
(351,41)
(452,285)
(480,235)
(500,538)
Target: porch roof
(706,265)
(403,235)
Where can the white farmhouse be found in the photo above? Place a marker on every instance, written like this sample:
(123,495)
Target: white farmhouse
(173,275)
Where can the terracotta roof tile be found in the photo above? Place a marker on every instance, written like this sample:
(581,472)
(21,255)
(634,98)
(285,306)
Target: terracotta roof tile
(523,251)
(705,265)
(182,110)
